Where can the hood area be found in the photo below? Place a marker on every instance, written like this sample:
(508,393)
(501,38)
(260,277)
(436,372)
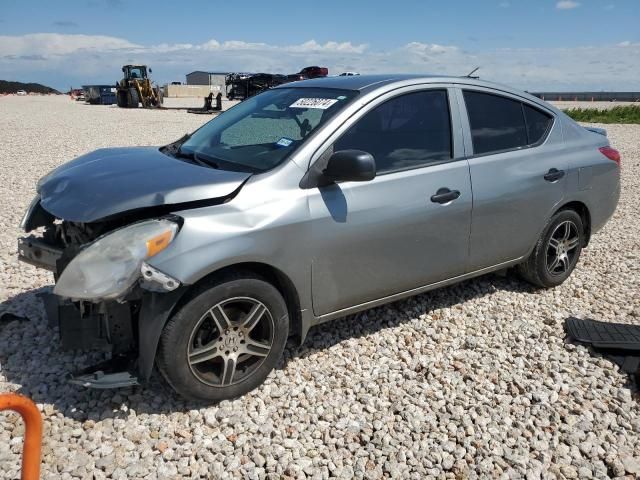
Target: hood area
(114,181)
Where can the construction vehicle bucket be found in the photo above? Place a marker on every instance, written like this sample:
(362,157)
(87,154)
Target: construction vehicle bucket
(33,432)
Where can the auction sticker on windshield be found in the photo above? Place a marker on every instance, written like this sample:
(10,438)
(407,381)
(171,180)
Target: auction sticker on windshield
(284,142)
(319,103)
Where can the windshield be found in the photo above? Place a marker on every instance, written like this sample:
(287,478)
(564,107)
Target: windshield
(261,132)
(136,72)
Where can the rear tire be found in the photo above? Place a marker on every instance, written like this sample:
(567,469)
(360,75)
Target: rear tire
(225,340)
(557,251)
(133,100)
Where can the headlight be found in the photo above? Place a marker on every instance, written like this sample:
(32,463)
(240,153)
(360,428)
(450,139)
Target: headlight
(111,264)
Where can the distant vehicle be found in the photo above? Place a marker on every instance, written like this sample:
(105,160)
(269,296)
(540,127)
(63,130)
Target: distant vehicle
(136,88)
(176,83)
(301,205)
(21,92)
(309,72)
(241,86)
(100,94)
(348,74)
(77,94)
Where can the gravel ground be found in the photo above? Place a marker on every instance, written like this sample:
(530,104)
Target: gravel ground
(471,381)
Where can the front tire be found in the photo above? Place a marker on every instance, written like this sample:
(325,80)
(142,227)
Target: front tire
(225,340)
(557,251)
(133,100)
(122,99)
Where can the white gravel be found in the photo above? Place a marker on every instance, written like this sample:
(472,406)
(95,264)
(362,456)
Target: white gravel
(471,381)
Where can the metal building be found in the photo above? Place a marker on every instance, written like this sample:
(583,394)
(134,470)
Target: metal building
(589,96)
(212,79)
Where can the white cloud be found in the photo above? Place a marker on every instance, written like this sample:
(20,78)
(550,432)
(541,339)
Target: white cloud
(61,44)
(82,59)
(429,49)
(567,5)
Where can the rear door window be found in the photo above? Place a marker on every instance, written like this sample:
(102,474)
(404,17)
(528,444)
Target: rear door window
(408,131)
(497,123)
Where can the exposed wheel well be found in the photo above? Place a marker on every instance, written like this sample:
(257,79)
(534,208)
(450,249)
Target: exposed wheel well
(275,277)
(582,210)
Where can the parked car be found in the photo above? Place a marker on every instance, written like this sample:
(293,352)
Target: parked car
(308,72)
(241,86)
(21,92)
(303,204)
(349,74)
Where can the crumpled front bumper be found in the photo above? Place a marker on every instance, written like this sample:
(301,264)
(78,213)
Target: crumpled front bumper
(128,329)
(36,252)
(103,327)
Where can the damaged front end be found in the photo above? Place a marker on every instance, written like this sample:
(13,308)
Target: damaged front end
(107,297)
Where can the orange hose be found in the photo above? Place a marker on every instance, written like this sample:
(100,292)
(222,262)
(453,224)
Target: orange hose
(33,432)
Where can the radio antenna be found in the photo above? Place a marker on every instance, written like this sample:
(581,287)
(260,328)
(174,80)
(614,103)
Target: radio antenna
(470,74)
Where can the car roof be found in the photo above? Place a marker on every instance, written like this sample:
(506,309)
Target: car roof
(366,83)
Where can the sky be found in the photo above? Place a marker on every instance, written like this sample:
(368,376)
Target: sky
(530,44)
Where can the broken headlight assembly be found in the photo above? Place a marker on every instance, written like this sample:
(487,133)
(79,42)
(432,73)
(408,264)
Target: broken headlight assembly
(109,266)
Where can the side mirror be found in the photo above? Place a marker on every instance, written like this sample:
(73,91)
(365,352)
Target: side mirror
(123,69)
(150,71)
(341,166)
(350,166)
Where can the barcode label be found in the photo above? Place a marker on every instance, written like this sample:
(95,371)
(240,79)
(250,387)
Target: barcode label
(319,103)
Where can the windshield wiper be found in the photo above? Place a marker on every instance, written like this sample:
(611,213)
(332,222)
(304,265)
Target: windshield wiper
(197,159)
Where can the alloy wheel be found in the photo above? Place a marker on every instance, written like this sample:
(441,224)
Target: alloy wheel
(230,341)
(562,248)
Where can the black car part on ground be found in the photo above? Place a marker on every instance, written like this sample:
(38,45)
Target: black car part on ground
(241,86)
(618,342)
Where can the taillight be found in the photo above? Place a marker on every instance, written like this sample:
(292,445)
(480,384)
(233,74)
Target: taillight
(611,154)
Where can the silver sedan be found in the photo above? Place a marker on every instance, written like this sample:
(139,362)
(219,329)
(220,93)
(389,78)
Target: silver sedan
(308,202)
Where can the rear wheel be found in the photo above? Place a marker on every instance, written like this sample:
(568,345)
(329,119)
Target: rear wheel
(225,340)
(557,251)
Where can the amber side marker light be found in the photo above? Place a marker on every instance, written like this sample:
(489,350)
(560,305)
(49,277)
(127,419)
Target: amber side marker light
(31,452)
(159,243)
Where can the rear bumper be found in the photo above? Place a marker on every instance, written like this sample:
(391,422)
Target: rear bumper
(603,209)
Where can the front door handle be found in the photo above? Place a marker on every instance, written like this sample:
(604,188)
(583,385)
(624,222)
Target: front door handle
(553,175)
(444,195)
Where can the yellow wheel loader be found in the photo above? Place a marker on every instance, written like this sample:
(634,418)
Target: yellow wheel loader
(136,88)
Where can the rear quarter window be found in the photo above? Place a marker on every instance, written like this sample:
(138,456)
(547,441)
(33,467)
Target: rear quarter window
(538,123)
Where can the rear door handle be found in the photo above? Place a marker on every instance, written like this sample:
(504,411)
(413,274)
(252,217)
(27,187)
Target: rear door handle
(553,175)
(444,195)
